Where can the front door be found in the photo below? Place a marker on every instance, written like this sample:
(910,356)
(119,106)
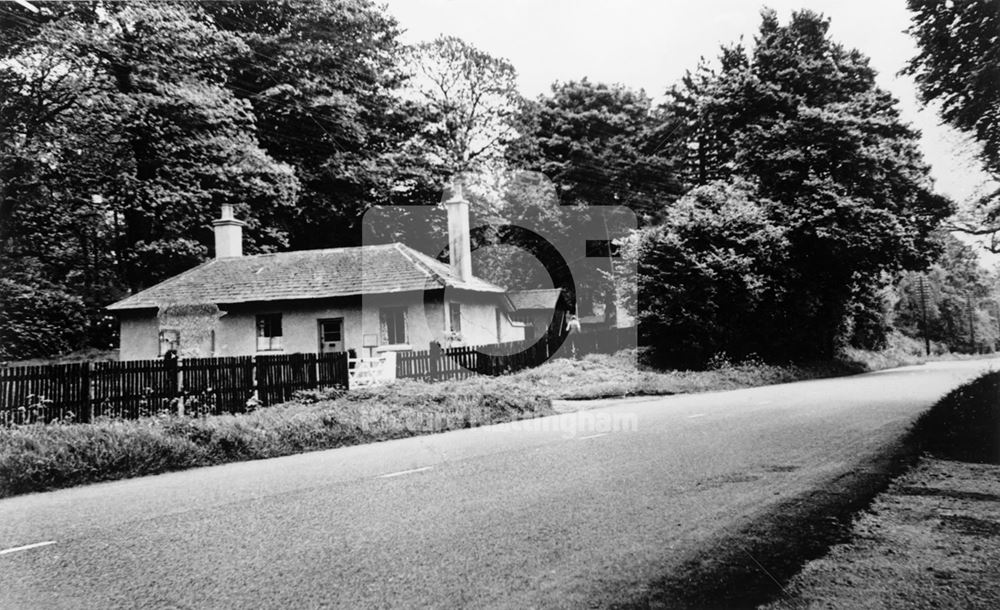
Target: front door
(331,336)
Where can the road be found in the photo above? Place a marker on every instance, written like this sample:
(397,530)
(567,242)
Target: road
(574,510)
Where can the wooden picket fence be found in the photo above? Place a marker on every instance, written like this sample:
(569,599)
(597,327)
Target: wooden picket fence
(436,363)
(80,392)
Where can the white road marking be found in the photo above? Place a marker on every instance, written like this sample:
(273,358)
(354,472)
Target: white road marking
(27,546)
(402,472)
(593,436)
(696,415)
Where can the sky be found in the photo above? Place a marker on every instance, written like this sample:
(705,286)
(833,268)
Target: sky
(649,44)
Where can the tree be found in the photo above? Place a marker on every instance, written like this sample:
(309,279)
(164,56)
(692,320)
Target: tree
(126,101)
(323,79)
(601,146)
(953,302)
(958,66)
(473,100)
(708,275)
(801,117)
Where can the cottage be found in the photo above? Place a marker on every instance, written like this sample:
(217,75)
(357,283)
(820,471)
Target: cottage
(366,299)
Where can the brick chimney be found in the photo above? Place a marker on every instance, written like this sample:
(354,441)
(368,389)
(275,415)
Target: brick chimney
(228,234)
(459,248)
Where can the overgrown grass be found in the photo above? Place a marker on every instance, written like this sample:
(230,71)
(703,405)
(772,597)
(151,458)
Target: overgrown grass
(41,457)
(601,376)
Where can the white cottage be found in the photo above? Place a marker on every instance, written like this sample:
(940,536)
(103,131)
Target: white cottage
(367,299)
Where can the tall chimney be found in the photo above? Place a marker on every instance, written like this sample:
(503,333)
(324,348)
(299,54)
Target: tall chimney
(459,248)
(228,234)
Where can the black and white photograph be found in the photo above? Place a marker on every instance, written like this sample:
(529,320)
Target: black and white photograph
(500,304)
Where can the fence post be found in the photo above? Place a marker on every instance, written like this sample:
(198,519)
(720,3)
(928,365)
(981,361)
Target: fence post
(253,380)
(435,360)
(179,385)
(88,384)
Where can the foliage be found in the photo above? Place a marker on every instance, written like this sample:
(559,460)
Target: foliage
(708,274)
(958,66)
(800,117)
(37,318)
(600,145)
(958,298)
(323,80)
(125,101)
(473,100)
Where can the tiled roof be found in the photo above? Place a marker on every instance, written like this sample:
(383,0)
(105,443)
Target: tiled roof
(305,274)
(545,298)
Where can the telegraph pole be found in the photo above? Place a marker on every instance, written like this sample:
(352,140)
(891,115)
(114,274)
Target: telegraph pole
(923,310)
(972,326)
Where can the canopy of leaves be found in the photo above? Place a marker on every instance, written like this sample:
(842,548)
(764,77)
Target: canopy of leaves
(801,117)
(958,67)
(707,275)
(473,102)
(601,145)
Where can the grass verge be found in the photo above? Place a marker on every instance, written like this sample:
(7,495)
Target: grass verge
(604,376)
(42,457)
(930,540)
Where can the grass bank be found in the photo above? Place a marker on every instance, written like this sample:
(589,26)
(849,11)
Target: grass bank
(42,457)
(603,376)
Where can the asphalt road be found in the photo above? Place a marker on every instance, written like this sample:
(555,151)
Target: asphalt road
(568,511)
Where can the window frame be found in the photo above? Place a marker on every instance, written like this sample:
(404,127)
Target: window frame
(265,323)
(386,335)
(455,315)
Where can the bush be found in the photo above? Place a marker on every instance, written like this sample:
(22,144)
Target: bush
(964,424)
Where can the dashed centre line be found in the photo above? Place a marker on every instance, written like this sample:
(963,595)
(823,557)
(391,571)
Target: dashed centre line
(697,415)
(402,472)
(593,436)
(26,547)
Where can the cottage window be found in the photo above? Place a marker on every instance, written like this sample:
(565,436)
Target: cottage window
(269,332)
(455,313)
(392,323)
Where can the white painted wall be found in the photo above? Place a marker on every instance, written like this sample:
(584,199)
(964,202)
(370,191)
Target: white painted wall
(236,331)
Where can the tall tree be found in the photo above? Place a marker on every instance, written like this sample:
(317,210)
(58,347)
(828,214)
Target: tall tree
(958,66)
(601,146)
(473,100)
(323,79)
(126,101)
(801,117)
